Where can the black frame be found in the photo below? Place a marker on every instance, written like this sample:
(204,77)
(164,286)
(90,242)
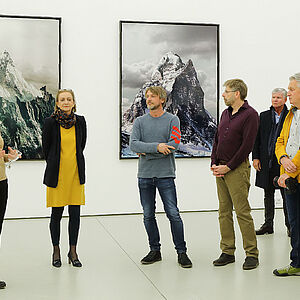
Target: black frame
(121,22)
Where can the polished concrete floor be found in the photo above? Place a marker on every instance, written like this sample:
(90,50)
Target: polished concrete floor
(110,248)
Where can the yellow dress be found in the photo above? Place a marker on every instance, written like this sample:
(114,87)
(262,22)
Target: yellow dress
(69,191)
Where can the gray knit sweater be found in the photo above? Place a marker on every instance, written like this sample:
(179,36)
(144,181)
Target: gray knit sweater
(147,133)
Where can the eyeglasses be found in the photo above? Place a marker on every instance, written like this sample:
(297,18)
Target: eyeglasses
(226,92)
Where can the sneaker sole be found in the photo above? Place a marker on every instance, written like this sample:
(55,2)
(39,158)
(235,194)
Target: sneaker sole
(275,272)
(150,262)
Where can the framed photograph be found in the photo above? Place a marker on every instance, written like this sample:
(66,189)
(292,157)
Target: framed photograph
(30,75)
(183,58)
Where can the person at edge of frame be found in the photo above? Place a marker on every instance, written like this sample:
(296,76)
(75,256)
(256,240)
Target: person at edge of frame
(155,136)
(264,158)
(288,154)
(63,141)
(230,165)
(11,155)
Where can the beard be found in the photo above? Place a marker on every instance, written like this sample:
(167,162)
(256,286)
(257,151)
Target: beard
(227,102)
(152,106)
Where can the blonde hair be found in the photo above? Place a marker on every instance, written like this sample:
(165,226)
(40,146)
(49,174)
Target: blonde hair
(159,91)
(64,91)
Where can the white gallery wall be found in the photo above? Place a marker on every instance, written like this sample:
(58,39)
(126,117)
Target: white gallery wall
(259,42)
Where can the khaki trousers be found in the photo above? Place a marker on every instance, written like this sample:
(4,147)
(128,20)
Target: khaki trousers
(233,191)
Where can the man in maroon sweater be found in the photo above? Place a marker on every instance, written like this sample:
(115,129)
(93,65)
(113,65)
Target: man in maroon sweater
(230,165)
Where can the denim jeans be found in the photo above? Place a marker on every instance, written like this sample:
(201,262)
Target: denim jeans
(167,190)
(293,209)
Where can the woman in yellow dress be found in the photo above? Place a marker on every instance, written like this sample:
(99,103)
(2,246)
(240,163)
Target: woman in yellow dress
(63,141)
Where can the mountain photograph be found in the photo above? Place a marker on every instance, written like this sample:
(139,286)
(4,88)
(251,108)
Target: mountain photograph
(29,80)
(187,70)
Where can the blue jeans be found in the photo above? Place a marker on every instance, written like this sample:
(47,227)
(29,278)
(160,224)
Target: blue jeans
(167,190)
(293,209)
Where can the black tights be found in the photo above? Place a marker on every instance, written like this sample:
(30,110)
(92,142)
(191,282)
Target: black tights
(74,222)
(3,200)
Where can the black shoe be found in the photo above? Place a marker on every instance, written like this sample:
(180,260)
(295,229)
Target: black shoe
(265,229)
(151,257)
(250,263)
(75,262)
(223,260)
(2,284)
(184,260)
(56,262)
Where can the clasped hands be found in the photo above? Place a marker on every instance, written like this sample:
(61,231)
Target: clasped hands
(162,148)
(219,171)
(289,167)
(12,154)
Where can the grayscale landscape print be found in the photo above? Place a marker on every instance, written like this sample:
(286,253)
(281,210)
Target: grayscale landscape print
(29,80)
(182,58)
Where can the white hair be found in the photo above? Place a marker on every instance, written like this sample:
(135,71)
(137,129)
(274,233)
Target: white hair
(297,78)
(281,91)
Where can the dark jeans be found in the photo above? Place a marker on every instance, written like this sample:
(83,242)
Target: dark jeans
(293,209)
(74,222)
(3,200)
(269,203)
(167,190)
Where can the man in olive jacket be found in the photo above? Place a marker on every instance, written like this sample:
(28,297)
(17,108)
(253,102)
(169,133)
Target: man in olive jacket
(264,159)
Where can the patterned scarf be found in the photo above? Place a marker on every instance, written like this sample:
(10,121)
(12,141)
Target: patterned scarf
(65,120)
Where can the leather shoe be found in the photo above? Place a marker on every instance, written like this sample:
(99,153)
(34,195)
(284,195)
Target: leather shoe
(223,260)
(265,229)
(2,284)
(250,263)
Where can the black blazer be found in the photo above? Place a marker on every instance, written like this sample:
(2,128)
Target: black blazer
(260,150)
(51,148)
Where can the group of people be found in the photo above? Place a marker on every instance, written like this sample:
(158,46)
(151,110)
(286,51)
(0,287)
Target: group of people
(63,141)
(273,138)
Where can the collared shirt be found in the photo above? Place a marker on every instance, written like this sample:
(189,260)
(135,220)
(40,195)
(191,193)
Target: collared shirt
(235,136)
(277,117)
(293,143)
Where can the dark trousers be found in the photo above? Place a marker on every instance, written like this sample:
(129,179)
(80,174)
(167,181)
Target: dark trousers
(74,223)
(3,200)
(269,201)
(167,190)
(293,208)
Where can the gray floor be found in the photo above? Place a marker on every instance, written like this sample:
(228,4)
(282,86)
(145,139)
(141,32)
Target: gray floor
(110,248)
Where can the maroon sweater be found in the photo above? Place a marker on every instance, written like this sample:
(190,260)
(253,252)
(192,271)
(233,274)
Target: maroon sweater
(235,136)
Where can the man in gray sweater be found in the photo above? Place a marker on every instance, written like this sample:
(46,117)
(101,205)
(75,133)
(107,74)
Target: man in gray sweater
(155,136)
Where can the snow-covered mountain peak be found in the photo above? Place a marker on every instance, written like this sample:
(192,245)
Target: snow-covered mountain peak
(12,83)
